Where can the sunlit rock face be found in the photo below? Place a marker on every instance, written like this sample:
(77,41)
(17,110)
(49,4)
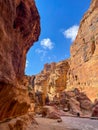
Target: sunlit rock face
(19,29)
(52,79)
(83,71)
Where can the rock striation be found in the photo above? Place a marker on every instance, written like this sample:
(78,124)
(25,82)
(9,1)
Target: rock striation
(70,103)
(83,72)
(52,79)
(19,29)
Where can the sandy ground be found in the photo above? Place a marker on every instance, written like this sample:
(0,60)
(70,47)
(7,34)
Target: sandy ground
(68,123)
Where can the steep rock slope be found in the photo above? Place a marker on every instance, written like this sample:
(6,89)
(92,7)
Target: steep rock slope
(52,79)
(19,29)
(83,71)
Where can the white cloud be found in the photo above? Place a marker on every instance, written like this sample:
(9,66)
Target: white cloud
(27,62)
(71,32)
(47,43)
(42,53)
(39,51)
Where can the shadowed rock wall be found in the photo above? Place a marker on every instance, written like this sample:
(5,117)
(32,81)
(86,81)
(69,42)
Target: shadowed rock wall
(19,29)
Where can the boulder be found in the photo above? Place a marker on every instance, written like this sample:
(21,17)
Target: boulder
(74,106)
(85,102)
(95,111)
(51,112)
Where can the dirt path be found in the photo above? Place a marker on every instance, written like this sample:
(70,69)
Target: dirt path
(80,123)
(68,123)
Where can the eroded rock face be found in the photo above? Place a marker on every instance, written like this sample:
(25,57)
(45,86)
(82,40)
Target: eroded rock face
(83,71)
(52,79)
(19,29)
(74,102)
(25,122)
(80,71)
(95,109)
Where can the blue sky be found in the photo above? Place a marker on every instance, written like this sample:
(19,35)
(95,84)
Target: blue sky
(59,25)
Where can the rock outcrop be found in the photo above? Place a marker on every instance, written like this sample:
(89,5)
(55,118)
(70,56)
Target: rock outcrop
(80,71)
(25,122)
(50,89)
(83,72)
(68,103)
(51,112)
(19,29)
(52,79)
(95,109)
(74,102)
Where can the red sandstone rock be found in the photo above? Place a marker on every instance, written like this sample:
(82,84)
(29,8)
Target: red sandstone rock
(52,79)
(85,102)
(76,102)
(20,123)
(83,72)
(74,106)
(19,29)
(51,112)
(95,109)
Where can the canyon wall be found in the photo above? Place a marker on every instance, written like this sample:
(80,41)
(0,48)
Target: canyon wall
(50,88)
(83,71)
(52,79)
(19,29)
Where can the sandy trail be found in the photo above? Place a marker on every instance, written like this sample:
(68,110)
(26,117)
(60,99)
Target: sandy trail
(68,123)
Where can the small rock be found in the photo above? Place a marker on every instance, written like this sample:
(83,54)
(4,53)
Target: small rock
(59,120)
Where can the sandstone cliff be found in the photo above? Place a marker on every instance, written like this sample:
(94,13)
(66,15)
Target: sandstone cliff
(50,89)
(80,71)
(52,79)
(83,71)
(19,29)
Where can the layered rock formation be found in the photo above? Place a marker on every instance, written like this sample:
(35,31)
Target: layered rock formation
(83,71)
(70,102)
(80,71)
(19,29)
(52,79)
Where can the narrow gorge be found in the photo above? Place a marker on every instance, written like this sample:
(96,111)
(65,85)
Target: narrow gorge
(66,88)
